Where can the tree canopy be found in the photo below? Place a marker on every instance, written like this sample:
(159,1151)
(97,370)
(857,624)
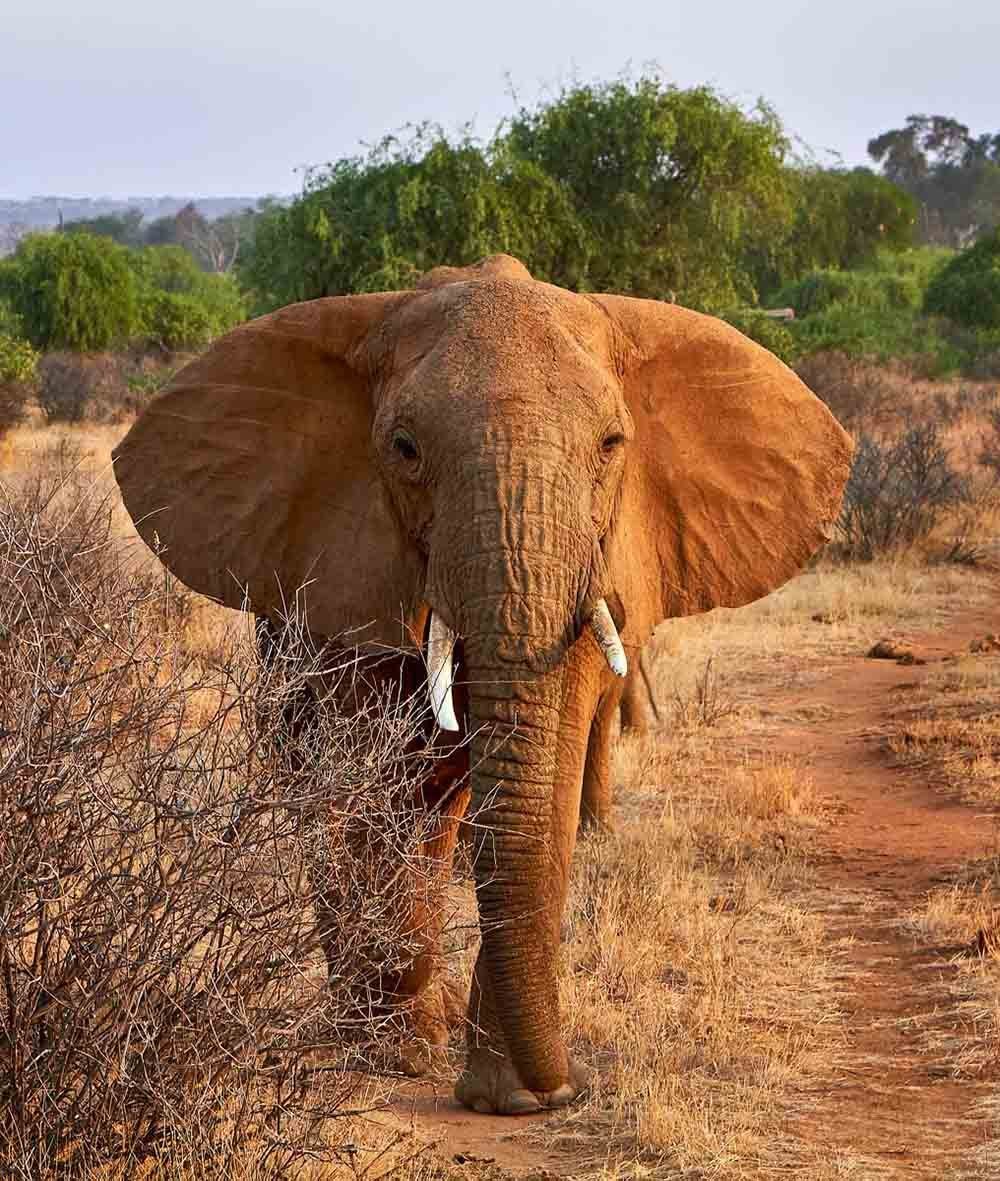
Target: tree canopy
(967,288)
(634,186)
(87,293)
(953,175)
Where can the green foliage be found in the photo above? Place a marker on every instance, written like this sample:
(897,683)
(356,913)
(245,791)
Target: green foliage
(842,219)
(10,321)
(880,312)
(376,223)
(967,289)
(772,334)
(891,281)
(176,321)
(637,187)
(84,293)
(182,306)
(670,186)
(18,360)
(71,291)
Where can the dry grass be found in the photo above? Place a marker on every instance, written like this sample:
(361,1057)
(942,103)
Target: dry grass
(963,920)
(790,638)
(950,728)
(695,979)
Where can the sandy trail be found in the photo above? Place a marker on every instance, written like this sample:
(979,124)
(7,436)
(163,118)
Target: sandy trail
(897,838)
(893,1103)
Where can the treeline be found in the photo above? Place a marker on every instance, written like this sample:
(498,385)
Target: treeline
(633,186)
(637,187)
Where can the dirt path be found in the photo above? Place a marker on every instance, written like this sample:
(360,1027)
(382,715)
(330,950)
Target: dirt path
(895,1106)
(893,1109)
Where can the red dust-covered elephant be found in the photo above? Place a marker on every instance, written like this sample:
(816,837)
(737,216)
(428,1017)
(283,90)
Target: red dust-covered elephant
(516,477)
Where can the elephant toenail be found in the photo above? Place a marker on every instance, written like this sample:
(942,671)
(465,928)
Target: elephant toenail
(521,1103)
(483,1106)
(565,1094)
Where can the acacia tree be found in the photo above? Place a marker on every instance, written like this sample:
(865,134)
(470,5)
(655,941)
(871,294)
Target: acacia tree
(954,175)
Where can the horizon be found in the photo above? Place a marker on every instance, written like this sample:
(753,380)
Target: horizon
(227,101)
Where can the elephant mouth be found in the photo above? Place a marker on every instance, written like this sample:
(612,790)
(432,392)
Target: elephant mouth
(443,654)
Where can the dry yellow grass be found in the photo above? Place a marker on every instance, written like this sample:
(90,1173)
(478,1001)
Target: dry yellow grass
(963,919)
(951,727)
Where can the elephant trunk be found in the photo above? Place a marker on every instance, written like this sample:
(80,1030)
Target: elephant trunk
(528,576)
(514,722)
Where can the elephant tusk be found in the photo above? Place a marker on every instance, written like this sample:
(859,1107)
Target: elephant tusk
(608,638)
(440,643)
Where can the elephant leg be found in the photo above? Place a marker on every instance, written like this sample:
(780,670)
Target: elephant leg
(595,808)
(634,714)
(392,983)
(490,1081)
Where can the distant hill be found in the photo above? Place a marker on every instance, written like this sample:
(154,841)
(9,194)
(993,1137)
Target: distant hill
(34,214)
(44,212)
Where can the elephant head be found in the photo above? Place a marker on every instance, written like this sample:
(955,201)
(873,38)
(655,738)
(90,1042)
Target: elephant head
(532,467)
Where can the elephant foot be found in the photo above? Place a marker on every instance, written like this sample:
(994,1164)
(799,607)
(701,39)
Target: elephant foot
(423,1046)
(490,1085)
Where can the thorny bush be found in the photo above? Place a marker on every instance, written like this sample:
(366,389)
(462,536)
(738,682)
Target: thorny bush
(163,994)
(897,492)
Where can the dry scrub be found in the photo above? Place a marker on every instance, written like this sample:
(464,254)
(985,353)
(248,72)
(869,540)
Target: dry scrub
(164,999)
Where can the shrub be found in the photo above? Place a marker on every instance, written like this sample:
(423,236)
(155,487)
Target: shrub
(65,386)
(71,291)
(177,321)
(967,289)
(160,966)
(182,306)
(18,360)
(14,397)
(897,492)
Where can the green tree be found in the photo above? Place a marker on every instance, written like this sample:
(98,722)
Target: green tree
(672,187)
(967,289)
(843,219)
(375,222)
(182,306)
(72,291)
(637,187)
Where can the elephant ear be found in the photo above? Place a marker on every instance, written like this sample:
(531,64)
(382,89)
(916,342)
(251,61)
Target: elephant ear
(737,471)
(252,475)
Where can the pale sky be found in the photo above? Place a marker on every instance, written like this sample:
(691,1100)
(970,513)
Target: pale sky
(219,97)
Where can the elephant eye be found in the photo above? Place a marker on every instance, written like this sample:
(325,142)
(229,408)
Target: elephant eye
(404,446)
(612,441)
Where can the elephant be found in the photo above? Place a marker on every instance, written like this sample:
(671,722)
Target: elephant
(509,484)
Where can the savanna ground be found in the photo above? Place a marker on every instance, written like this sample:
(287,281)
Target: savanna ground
(785,960)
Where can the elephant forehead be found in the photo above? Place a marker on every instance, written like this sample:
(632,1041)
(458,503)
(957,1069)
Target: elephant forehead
(488,342)
(500,317)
